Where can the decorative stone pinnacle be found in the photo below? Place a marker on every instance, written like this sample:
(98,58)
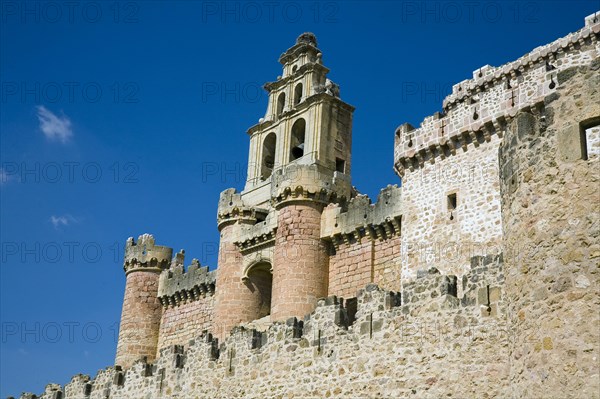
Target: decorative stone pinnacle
(308,38)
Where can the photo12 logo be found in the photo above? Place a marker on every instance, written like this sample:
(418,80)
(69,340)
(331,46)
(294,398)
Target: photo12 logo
(252,12)
(65,252)
(68,172)
(70,92)
(69,12)
(469,12)
(54,332)
(232,92)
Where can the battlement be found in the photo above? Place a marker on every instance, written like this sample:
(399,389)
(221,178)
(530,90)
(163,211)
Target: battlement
(480,107)
(231,208)
(146,255)
(178,285)
(337,332)
(256,236)
(309,182)
(361,219)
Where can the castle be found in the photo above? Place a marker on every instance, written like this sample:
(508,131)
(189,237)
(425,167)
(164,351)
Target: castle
(478,277)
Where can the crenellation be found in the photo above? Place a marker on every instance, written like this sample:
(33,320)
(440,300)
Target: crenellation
(313,182)
(259,235)
(482,105)
(178,285)
(53,391)
(231,208)
(145,254)
(374,300)
(431,290)
(381,220)
(79,387)
(327,335)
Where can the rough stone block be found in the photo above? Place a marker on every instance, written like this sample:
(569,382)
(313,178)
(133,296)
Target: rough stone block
(495,294)
(482,296)
(569,143)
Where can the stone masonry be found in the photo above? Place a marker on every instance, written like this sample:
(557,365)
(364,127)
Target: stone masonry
(477,278)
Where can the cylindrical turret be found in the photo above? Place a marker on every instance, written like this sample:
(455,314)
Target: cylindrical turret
(140,318)
(238,297)
(301,260)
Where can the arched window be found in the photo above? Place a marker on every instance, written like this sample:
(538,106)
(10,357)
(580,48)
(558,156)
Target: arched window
(297,93)
(280,103)
(297,139)
(268,156)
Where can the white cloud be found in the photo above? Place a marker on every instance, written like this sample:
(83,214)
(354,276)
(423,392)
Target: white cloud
(64,220)
(54,127)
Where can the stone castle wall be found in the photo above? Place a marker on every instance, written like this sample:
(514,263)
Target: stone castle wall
(357,264)
(551,217)
(180,324)
(187,297)
(365,242)
(430,345)
(438,232)
(449,165)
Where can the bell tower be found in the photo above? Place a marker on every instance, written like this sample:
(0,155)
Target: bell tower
(306,123)
(299,161)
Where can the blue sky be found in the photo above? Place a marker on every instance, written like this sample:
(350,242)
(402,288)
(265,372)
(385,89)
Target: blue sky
(129,117)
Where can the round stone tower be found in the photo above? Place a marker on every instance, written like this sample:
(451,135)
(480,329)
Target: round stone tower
(239,299)
(140,318)
(301,259)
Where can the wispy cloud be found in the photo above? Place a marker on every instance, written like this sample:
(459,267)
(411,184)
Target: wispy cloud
(5,177)
(64,220)
(54,127)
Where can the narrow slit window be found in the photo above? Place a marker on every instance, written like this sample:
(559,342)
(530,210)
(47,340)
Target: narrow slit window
(583,137)
(452,202)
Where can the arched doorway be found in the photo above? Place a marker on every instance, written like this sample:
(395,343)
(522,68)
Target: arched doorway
(259,280)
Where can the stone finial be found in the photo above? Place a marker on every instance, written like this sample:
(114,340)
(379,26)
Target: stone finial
(146,239)
(308,38)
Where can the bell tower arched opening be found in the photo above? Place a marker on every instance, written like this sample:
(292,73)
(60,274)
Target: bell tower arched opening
(280,104)
(297,139)
(268,156)
(298,93)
